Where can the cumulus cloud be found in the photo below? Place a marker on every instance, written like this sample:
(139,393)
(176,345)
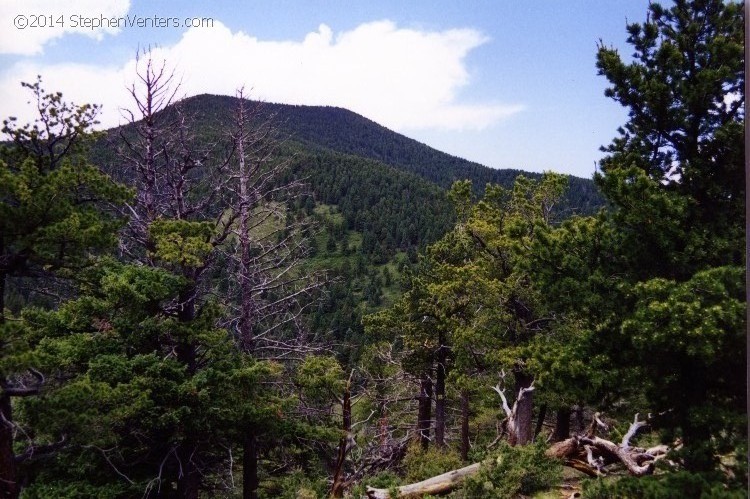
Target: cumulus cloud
(402,78)
(28,25)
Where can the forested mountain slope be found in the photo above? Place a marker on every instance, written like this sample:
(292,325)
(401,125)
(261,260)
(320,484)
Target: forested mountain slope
(376,195)
(341,130)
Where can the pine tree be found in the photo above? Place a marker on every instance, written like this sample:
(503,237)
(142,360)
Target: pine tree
(54,218)
(675,178)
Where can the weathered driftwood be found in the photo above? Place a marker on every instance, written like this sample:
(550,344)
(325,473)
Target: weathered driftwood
(590,453)
(436,485)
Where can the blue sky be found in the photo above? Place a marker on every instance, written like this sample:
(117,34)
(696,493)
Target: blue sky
(508,84)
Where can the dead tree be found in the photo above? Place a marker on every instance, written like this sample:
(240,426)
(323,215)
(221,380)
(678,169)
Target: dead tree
(424,412)
(392,392)
(179,178)
(273,291)
(270,248)
(589,453)
(517,422)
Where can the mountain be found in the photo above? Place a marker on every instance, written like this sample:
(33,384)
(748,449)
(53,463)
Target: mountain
(377,196)
(387,187)
(340,130)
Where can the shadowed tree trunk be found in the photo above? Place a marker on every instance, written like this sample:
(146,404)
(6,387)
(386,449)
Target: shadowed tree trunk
(250,444)
(8,476)
(540,420)
(580,422)
(520,433)
(442,355)
(424,412)
(189,481)
(250,466)
(189,476)
(464,425)
(562,425)
(337,489)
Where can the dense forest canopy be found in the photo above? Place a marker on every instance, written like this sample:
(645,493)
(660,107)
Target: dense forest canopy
(226,298)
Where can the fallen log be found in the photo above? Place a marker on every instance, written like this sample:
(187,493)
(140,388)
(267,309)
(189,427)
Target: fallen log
(590,453)
(436,485)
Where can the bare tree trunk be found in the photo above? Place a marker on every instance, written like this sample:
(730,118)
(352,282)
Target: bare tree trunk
(246,296)
(3,279)
(562,425)
(440,376)
(520,433)
(424,412)
(250,444)
(464,425)
(337,489)
(580,422)
(265,262)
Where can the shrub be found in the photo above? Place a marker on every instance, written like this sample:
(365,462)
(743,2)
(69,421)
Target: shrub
(383,480)
(676,485)
(513,471)
(297,485)
(420,464)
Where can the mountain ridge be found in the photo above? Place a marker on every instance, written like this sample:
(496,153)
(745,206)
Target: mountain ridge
(342,130)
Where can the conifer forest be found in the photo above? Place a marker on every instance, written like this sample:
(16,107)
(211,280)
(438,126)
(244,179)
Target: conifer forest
(236,299)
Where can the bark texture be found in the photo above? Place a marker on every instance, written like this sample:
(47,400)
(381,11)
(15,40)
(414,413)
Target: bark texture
(436,485)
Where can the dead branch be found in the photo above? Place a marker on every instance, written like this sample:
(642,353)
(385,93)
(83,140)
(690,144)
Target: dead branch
(511,423)
(590,453)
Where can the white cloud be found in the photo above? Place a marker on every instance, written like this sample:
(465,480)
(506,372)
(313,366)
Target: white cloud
(27,25)
(402,78)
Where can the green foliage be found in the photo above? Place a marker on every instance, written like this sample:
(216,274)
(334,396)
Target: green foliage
(687,336)
(420,464)
(181,242)
(675,177)
(328,129)
(297,485)
(675,485)
(641,307)
(131,399)
(383,480)
(682,134)
(52,199)
(392,209)
(320,378)
(55,218)
(514,471)
(81,489)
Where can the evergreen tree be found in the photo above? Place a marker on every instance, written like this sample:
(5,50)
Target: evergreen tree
(675,178)
(681,149)
(53,220)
